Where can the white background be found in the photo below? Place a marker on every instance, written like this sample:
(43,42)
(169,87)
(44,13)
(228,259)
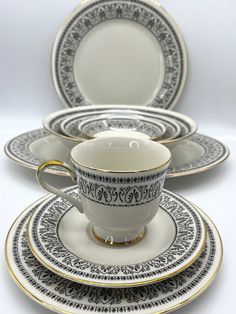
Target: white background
(27,31)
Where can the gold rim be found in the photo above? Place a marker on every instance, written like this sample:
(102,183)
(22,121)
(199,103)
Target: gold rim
(119,244)
(124,172)
(175,307)
(203,168)
(116,285)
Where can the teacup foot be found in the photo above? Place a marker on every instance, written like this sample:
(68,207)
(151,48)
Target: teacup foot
(119,238)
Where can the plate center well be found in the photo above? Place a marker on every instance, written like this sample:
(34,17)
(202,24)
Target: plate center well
(73,233)
(119,62)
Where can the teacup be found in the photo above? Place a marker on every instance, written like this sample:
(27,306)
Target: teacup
(120,180)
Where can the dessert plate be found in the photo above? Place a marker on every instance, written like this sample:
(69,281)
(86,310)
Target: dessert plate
(105,124)
(119,52)
(193,155)
(63,241)
(53,121)
(64,296)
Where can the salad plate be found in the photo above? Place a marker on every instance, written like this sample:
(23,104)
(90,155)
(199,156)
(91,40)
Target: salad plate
(54,121)
(64,242)
(94,60)
(193,155)
(64,296)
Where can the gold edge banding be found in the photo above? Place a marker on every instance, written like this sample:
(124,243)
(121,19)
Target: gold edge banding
(11,272)
(120,171)
(120,244)
(204,288)
(39,301)
(202,168)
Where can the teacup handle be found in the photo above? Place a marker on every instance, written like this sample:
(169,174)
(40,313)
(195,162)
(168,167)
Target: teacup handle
(70,170)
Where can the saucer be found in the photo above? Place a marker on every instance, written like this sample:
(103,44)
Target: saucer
(94,60)
(62,295)
(58,237)
(53,121)
(193,155)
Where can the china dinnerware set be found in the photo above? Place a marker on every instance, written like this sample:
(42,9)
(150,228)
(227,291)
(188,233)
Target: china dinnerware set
(116,241)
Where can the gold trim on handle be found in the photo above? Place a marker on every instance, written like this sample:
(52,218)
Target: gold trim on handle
(55,162)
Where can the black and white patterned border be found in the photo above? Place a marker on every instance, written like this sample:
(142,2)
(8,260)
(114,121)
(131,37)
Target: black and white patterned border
(45,240)
(70,127)
(137,11)
(187,127)
(214,153)
(65,294)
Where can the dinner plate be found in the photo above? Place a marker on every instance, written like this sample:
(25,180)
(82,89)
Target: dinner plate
(53,121)
(63,241)
(64,296)
(119,52)
(193,155)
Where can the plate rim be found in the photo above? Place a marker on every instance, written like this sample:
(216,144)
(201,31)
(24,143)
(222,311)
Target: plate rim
(170,175)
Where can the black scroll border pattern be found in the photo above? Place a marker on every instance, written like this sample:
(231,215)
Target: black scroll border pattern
(72,128)
(75,97)
(110,193)
(55,123)
(99,271)
(213,150)
(202,266)
(18,148)
(139,178)
(145,127)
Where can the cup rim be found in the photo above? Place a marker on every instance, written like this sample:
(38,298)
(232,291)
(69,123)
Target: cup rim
(166,163)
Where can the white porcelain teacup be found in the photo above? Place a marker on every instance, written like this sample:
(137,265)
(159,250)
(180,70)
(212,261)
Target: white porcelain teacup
(120,180)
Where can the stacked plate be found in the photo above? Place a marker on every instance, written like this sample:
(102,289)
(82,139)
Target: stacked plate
(116,52)
(119,52)
(191,152)
(57,261)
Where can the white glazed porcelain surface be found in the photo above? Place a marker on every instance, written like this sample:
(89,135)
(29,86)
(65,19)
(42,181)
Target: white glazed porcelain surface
(111,68)
(76,127)
(119,52)
(198,153)
(54,121)
(113,124)
(61,241)
(64,296)
(76,236)
(118,154)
